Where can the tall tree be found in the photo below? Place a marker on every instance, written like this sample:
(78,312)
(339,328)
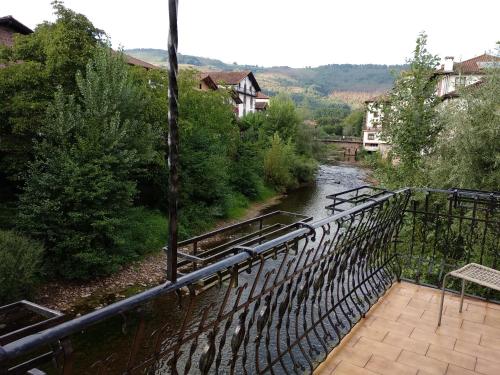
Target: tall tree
(82,178)
(408,120)
(35,66)
(468,153)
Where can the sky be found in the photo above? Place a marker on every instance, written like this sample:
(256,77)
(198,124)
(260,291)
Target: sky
(295,33)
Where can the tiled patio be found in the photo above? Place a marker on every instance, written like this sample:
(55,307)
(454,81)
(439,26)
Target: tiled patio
(400,336)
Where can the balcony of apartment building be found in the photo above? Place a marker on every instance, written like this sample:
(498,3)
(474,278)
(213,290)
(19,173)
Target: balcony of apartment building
(356,292)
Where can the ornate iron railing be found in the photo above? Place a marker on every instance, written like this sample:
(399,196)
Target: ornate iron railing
(442,230)
(277,307)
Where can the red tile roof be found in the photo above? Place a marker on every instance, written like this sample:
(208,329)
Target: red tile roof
(261,95)
(233,78)
(136,62)
(471,66)
(208,80)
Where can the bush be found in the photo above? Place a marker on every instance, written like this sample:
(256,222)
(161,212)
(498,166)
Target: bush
(19,263)
(304,168)
(143,231)
(278,163)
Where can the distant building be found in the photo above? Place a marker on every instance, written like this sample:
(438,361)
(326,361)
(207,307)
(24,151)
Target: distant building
(243,83)
(9,26)
(372,127)
(453,75)
(261,101)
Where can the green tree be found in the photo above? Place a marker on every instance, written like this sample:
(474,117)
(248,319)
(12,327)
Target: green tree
(36,65)
(409,120)
(81,181)
(282,117)
(352,125)
(468,151)
(278,164)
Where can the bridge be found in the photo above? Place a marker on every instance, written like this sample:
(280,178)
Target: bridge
(349,145)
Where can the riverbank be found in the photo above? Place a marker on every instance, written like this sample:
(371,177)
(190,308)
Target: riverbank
(77,297)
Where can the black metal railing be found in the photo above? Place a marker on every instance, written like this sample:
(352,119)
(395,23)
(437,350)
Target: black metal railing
(442,230)
(278,306)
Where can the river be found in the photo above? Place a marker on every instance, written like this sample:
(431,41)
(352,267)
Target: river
(311,200)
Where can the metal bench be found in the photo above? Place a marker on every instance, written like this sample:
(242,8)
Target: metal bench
(474,273)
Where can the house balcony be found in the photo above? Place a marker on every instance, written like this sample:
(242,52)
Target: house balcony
(399,335)
(352,293)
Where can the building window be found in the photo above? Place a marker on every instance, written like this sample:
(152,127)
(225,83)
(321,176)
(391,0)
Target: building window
(200,86)
(460,81)
(371,136)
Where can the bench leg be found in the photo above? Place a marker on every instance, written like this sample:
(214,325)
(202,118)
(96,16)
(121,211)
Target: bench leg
(462,295)
(442,300)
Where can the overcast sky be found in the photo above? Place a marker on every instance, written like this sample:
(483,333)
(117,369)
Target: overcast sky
(289,32)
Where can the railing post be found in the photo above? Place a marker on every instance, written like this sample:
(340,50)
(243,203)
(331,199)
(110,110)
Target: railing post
(173,141)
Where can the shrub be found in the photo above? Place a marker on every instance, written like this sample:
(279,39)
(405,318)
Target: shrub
(19,264)
(304,168)
(142,231)
(278,163)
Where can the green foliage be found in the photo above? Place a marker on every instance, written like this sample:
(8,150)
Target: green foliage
(142,231)
(282,117)
(278,164)
(468,151)
(81,182)
(408,120)
(19,261)
(352,124)
(50,57)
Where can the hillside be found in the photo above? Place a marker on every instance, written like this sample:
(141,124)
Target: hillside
(357,81)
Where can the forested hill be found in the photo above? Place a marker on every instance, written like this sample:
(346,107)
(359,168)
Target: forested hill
(323,80)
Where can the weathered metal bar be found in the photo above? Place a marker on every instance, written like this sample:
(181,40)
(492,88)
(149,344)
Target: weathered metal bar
(173,142)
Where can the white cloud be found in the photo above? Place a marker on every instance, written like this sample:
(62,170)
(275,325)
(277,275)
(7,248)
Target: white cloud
(290,32)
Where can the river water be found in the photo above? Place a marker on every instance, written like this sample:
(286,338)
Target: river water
(311,200)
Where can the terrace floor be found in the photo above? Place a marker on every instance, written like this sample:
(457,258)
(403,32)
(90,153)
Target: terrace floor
(400,336)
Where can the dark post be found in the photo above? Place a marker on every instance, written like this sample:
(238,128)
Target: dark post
(173,141)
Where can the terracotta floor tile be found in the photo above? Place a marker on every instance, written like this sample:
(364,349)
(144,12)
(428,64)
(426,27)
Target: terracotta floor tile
(368,332)
(415,322)
(459,333)
(429,365)
(400,336)
(446,355)
(447,342)
(391,326)
(351,355)
(407,343)
(490,342)
(473,316)
(345,368)
(379,348)
(455,370)
(383,366)
(432,317)
(493,321)
(486,367)
(479,328)
(479,351)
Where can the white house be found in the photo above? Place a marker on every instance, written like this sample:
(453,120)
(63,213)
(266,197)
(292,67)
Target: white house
(244,84)
(451,76)
(371,131)
(261,101)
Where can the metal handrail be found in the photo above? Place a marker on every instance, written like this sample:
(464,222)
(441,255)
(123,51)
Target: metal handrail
(29,343)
